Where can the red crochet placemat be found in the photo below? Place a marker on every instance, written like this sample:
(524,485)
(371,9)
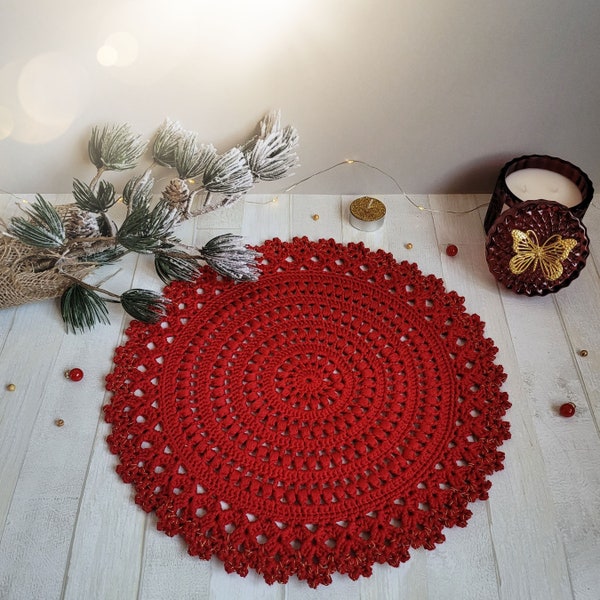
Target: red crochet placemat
(331,415)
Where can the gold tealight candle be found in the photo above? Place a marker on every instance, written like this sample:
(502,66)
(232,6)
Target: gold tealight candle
(367,214)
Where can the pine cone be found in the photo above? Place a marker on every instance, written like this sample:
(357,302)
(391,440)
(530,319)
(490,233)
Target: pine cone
(78,223)
(177,194)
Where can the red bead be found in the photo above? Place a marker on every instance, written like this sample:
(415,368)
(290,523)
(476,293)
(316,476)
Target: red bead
(567,409)
(451,250)
(74,374)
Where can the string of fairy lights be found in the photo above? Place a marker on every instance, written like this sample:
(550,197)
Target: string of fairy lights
(351,162)
(344,163)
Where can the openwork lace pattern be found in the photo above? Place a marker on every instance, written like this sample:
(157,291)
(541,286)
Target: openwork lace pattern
(332,415)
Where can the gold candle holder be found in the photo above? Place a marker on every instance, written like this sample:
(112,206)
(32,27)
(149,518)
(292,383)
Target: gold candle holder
(367,214)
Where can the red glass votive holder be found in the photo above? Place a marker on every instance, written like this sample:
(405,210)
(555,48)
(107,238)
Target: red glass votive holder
(549,177)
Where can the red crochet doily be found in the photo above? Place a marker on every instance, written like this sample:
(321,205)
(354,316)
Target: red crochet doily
(331,415)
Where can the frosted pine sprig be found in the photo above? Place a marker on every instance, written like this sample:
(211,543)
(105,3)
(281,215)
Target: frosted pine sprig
(228,173)
(271,158)
(272,154)
(228,256)
(44,227)
(85,234)
(115,148)
(165,143)
(138,192)
(191,158)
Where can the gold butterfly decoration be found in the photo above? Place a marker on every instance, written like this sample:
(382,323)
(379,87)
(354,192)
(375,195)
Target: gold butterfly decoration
(530,253)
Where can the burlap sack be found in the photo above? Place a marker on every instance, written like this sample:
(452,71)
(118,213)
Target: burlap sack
(28,274)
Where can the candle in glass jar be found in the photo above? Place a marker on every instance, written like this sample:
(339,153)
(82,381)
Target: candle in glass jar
(541,184)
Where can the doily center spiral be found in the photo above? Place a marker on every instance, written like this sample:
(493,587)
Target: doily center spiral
(308,382)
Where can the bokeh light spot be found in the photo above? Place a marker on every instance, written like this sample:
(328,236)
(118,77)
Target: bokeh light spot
(106,56)
(126,47)
(120,49)
(51,90)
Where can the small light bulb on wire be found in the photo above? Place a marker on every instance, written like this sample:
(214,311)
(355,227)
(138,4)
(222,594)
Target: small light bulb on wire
(352,161)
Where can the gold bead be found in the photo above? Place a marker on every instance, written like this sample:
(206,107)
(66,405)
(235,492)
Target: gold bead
(408,246)
(59,422)
(11,387)
(315,217)
(583,353)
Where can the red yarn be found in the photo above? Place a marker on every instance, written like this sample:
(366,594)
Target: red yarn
(331,415)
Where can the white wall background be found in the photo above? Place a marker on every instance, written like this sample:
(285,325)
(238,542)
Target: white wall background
(438,93)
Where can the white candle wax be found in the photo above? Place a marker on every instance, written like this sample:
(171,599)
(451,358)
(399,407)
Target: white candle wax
(541,184)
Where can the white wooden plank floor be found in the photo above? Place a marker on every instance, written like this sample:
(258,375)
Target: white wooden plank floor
(69,527)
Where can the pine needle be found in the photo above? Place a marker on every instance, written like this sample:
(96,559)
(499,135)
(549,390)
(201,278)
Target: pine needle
(228,173)
(165,143)
(272,154)
(115,148)
(82,308)
(190,159)
(43,229)
(138,192)
(107,256)
(272,157)
(176,268)
(87,199)
(144,305)
(146,231)
(228,256)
